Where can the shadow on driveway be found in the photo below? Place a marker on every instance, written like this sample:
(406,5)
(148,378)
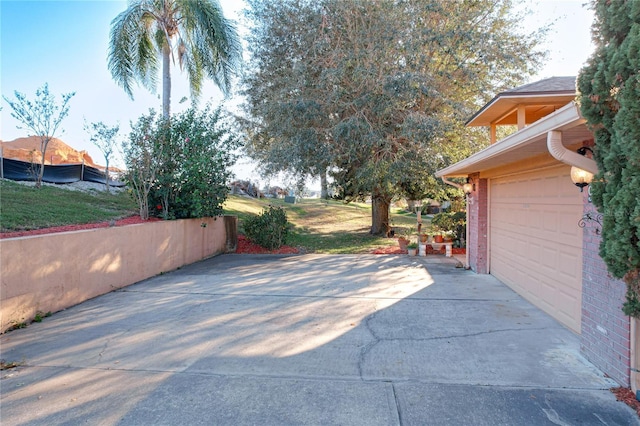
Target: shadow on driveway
(312,339)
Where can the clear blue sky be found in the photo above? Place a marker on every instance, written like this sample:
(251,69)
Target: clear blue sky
(65,43)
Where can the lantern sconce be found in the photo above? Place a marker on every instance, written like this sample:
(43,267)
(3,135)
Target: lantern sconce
(580,177)
(468,187)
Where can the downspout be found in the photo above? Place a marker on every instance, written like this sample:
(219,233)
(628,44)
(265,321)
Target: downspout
(448,182)
(466,232)
(564,155)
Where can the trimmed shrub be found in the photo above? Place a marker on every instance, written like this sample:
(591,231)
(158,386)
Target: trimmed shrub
(269,229)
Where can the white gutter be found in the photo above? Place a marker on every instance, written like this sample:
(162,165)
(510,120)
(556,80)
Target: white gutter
(448,182)
(562,154)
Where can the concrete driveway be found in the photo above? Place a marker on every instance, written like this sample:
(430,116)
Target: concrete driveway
(312,339)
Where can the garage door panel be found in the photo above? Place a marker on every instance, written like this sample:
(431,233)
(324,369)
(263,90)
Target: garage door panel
(536,244)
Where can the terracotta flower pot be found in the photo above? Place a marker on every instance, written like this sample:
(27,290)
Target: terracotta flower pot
(403,243)
(438,239)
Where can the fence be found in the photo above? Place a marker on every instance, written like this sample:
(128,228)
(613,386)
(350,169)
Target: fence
(61,173)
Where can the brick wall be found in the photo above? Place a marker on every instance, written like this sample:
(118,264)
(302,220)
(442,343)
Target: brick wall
(477,243)
(605,338)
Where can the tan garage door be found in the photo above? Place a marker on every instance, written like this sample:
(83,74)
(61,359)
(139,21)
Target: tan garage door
(535,241)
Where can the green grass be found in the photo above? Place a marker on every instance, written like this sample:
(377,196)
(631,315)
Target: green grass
(325,226)
(320,226)
(24,207)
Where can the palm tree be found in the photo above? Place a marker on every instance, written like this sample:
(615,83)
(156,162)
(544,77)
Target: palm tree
(195,31)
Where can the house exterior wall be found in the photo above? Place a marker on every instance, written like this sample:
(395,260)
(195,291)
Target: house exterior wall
(605,338)
(478,217)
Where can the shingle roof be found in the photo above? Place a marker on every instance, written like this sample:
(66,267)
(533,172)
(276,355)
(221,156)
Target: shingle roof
(552,91)
(551,84)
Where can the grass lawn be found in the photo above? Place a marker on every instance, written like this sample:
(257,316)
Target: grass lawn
(320,226)
(25,207)
(325,226)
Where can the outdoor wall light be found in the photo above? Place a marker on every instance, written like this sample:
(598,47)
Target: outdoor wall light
(579,177)
(468,187)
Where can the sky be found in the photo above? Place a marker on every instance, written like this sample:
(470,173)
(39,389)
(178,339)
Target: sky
(65,44)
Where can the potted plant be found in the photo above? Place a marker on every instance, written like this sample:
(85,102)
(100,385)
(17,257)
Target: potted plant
(438,238)
(412,249)
(403,239)
(403,242)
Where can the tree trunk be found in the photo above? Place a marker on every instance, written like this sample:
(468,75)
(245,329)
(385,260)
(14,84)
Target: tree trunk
(166,81)
(106,173)
(324,193)
(380,204)
(43,149)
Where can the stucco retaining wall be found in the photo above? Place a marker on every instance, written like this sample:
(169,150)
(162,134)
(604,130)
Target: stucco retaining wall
(48,273)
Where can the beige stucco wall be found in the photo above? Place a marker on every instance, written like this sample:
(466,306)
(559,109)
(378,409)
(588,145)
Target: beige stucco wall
(51,272)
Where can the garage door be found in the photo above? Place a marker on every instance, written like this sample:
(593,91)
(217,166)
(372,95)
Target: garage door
(536,244)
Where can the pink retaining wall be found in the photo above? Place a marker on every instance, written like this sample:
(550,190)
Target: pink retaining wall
(605,337)
(48,273)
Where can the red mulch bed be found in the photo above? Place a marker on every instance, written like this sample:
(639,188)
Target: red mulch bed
(126,221)
(396,250)
(247,247)
(627,396)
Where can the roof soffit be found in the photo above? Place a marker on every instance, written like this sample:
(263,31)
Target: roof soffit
(524,144)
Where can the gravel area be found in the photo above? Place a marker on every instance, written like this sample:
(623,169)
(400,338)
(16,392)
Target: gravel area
(76,186)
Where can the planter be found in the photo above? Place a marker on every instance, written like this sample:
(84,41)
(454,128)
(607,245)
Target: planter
(424,238)
(438,239)
(403,243)
(412,251)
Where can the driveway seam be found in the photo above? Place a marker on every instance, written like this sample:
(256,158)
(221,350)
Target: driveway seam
(293,296)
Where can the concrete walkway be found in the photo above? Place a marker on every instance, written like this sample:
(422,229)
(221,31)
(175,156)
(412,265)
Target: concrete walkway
(315,340)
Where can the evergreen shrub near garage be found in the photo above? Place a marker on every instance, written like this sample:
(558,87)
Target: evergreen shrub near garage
(269,229)
(609,98)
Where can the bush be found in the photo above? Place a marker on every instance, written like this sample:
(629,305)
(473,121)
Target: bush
(180,168)
(270,229)
(451,222)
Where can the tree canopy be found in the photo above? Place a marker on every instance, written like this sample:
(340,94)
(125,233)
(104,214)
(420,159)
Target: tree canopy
(376,92)
(205,43)
(609,87)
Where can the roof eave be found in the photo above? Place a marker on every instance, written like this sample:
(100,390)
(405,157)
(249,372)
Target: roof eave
(565,116)
(515,95)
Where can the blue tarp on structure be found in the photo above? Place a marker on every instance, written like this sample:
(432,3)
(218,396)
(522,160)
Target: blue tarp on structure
(62,173)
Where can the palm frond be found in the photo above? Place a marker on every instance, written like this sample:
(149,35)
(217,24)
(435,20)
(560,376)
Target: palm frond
(133,55)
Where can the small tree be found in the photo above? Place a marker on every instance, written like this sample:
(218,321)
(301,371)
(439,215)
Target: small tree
(104,138)
(141,154)
(42,117)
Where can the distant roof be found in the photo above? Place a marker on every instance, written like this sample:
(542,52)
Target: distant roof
(540,98)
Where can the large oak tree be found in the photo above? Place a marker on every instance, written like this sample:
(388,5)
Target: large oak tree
(377,92)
